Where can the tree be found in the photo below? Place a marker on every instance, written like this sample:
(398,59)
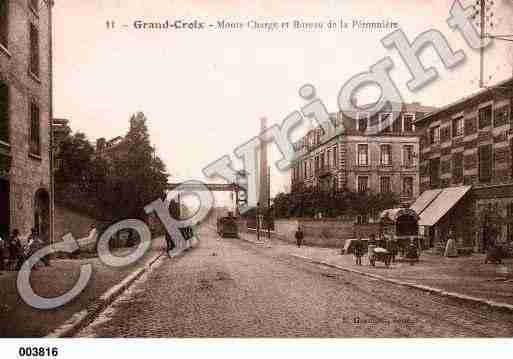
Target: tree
(138,176)
(114,184)
(74,157)
(309,202)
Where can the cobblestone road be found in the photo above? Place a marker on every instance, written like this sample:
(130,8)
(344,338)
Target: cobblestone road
(231,288)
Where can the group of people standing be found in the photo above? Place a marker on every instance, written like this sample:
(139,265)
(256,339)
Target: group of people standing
(13,253)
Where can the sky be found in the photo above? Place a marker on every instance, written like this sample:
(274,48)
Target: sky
(205,90)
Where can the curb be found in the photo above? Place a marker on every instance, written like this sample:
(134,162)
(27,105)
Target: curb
(462,297)
(80,319)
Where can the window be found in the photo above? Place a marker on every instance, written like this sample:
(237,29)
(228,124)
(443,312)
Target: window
(434,172)
(34,50)
(317,164)
(4,12)
(363,121)
(408,155)
(434,135)
(408,186)
(485,116)
(335,158)
(458,127)
(363,183)
(4,112)
(386,155)
(384,185)
(485,163)
(408,120)
(457,167)
(35,139)
(363,155)
(385,121)
(305,174)
(328,159)
(501,116)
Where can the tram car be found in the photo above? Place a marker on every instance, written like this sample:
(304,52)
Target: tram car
(401,224)
(227,226)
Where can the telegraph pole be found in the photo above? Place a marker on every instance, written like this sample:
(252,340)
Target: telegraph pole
(258,221)
(269,203)
(481,50)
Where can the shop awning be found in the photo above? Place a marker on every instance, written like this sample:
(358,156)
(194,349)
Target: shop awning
(425,200)
(442,204)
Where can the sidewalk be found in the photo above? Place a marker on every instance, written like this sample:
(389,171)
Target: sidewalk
(21,320)
(463,275)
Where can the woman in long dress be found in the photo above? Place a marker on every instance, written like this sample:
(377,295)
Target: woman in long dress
(451,249)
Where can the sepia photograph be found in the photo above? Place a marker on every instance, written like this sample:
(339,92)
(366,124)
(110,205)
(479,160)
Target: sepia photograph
(239,169)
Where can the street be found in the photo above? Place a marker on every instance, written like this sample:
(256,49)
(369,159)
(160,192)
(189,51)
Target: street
(232,288)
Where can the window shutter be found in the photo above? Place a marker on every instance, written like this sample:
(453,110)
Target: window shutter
(485,163)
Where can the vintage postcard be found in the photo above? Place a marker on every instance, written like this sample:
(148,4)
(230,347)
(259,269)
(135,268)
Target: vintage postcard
(255,169)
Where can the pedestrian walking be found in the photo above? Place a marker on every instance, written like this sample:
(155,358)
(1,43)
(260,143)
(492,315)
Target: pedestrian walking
(299,237)
(358,250)
(451,249)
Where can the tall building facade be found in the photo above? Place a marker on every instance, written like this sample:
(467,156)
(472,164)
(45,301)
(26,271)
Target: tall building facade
(469,144)
(385,161)
(25,113)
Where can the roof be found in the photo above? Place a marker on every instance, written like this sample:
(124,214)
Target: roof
(462,100)
(425,200)
(394,213)
(442,204)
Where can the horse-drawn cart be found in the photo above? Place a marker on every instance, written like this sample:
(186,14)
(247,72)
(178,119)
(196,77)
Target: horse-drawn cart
(401,225)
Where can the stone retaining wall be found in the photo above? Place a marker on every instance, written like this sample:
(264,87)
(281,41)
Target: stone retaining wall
(322,233)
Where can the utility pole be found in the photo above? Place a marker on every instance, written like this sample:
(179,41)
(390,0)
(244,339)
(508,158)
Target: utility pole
(258,221)
(269,203)
(482,17)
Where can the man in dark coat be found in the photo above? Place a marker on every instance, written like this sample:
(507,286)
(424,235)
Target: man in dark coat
(299,237)
(358,250)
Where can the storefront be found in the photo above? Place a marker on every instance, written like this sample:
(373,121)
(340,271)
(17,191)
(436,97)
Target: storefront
(444,210)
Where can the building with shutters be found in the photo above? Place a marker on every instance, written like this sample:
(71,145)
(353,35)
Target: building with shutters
(385,160)
(469,145)
(25,113)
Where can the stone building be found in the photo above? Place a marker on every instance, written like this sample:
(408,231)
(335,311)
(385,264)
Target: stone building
(360,160)
(25,113)
(467,147)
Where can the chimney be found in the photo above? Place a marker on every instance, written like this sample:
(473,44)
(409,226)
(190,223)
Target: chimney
(100,144)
